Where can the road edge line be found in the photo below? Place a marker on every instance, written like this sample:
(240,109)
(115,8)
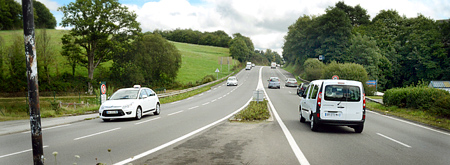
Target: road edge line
(180,138)
(298,153)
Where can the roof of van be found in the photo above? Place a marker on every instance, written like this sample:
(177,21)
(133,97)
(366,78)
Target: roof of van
(330,81)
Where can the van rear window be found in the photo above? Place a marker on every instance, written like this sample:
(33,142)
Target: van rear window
(342,93)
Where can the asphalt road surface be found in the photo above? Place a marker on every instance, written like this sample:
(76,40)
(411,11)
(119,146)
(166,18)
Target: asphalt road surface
(195,131)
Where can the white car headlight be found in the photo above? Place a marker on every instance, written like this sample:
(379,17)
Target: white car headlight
(102,108)
(127,106)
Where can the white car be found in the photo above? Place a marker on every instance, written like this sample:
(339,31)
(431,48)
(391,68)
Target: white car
(334,102)
(232,81)
(130,103)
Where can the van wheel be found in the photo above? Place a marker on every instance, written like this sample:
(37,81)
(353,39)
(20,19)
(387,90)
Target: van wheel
(359,128)
(314,125)
(302,119)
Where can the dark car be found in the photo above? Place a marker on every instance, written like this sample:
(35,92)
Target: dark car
(301,88)
(274,82)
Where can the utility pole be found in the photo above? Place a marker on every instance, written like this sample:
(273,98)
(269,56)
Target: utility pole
(33,86)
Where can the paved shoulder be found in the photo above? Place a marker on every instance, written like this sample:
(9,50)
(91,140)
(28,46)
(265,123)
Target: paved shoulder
(230,143)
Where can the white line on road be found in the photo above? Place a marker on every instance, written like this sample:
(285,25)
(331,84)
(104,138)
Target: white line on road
(180,138)
(175,102)
(414,124)
(290,92)
(219,98)
(294,146)
(201,94)
(146,121)
(15,153)
(403,144)
(50,128)
(96,134)
(224,95)
(206,103)
(193,107)
(174,113)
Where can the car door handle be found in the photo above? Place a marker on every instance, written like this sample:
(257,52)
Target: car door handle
(340,107)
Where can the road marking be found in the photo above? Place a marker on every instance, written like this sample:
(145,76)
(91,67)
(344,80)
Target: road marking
(403,144)
(96,134)
(206,103)
(201,94)
(15,153)
(180,138)
(213,100)
(414,124)
(50,128)
(228,93)
(294,146)
(190,98)
(175,102)
(290,92)
(174,113)
(208,91)
(224,95)
(146,121)
(219,98)
(193,107)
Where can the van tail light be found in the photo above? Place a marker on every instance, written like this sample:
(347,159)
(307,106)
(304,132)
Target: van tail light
(364,116)
(364,101)
(319,99)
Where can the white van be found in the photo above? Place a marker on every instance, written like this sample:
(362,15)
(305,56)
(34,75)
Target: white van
(273,65)
(334,102)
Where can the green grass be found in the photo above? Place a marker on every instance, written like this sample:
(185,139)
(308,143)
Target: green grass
(411,114)
(199,61)
(254,112)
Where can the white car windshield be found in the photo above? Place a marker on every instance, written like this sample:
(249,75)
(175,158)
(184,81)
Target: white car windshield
(231,79)
(125,94)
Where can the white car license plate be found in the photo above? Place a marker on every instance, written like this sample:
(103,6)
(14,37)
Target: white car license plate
(332,114)
(112,112)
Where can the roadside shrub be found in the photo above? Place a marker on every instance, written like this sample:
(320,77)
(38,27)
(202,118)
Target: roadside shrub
(208,78)
(313,69)
(424,98)
(348,71)
(254,111)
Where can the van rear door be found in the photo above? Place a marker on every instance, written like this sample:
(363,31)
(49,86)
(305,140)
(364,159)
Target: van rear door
(342,101)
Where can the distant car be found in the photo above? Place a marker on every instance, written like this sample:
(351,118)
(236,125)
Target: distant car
(232,81)
(253,65)
(273,65)
(130,103)
(291,82)
(278,65)
(274,82)
(301,88)
(248,67)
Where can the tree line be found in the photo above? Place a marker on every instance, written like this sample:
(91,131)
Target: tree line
(395,50)
(11,15)
(241,47)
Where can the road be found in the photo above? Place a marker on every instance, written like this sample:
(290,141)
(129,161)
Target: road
(384,140)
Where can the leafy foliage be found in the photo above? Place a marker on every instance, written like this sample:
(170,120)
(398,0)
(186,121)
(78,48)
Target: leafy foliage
(313,69)
(218,38)
(45,18)
(99,26)
(10,15)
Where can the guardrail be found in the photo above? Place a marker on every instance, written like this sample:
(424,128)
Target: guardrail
(162,95)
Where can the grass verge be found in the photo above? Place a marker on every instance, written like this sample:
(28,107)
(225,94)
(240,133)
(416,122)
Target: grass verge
(410,114)
(254,112)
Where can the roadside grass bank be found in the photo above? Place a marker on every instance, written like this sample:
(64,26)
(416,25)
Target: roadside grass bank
(410,114)
(17,108)
(253,112)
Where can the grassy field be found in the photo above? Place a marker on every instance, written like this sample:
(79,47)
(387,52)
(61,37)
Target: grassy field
(197,62)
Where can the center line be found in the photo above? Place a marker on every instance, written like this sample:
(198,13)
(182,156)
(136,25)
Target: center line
(219,98)
(146,121)
(213,100)
(175,113)
(394,140)
(206,103)
(50,128)
(193,107)
(96,134)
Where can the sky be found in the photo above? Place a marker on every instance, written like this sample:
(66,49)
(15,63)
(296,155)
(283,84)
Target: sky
(266,22)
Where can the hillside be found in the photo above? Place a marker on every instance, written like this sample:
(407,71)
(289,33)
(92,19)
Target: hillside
(197,60)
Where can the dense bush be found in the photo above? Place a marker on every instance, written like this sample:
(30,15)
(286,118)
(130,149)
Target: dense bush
(313,69)
(348,71)
(423,98)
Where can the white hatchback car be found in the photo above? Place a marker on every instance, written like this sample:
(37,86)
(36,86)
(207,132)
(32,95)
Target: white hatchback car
(334,102)
(130,103)
(232,81)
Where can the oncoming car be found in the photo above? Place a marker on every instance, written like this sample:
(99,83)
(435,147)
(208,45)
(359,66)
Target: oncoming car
(130,103)
(232,81)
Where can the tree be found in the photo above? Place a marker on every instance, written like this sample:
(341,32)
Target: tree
(17,65)
(45,18)
(347,71)
(10,15)
(313,69)
(2,52)
(98,27)
(150,59)
(46,53)
(72,52)
(239,50)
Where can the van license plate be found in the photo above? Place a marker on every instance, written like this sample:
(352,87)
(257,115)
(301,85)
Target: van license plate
(112,112)
(332,114)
